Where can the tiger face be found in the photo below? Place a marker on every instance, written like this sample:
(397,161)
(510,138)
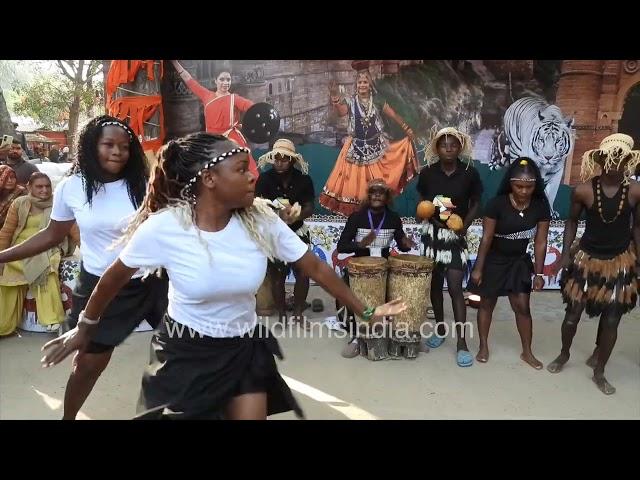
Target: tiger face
(550,144)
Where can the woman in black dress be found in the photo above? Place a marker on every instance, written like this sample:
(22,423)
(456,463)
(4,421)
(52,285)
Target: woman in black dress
(520,212)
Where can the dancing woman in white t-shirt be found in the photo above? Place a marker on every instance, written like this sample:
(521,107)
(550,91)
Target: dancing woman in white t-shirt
(101,194)
(201,223)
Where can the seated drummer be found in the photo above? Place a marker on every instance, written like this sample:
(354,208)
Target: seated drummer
(286,186)
(368,232)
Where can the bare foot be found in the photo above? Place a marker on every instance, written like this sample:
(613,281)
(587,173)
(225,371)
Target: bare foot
(592,361)
(558,363)
(531,360)
(604,386)
(483,355)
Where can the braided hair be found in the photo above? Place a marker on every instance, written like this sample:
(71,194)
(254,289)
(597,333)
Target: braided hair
(135,172)
(181,160)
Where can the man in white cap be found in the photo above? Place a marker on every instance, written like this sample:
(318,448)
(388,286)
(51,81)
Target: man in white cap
(600,274)
(291,190)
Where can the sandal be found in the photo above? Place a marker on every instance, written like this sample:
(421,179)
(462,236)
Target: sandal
(434,341)
(464,358)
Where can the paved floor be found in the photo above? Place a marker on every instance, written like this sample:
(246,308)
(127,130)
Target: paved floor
(330,387)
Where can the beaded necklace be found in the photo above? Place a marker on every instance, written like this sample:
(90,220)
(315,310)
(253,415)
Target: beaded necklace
(599,202)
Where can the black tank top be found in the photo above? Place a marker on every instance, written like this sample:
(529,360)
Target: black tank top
(606,240)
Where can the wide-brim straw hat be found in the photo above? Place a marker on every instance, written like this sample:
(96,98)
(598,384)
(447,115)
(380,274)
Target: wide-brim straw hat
(614,151)
(465,142)
(285,148)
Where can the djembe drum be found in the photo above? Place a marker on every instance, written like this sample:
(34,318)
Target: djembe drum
(368,281)
(409,278)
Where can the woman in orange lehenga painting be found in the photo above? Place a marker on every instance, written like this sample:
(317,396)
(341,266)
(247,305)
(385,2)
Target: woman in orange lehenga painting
(222,109)
(367,153)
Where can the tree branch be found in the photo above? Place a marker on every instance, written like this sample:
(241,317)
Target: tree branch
(93,68)
(64,70)
(72,65)
(79,71)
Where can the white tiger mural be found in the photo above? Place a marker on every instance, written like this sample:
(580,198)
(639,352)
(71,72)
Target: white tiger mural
(533,128)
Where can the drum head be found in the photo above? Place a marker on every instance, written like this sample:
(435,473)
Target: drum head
(411,262)
(367,261)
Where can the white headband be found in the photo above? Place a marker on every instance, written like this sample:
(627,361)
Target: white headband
(118,124)
(187,191)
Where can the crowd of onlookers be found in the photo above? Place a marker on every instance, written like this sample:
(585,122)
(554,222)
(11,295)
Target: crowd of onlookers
(27,180)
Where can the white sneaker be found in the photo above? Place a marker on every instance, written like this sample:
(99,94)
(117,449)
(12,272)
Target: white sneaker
(333,323)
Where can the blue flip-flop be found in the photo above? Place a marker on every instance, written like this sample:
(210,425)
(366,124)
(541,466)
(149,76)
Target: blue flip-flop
(464,358)
(434,341)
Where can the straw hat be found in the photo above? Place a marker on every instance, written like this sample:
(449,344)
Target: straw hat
(464,139)
(614,151)
(285,148)
(378,183)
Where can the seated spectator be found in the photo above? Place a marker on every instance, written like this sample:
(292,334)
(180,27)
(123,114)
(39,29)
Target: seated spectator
(27,216)
(9,190)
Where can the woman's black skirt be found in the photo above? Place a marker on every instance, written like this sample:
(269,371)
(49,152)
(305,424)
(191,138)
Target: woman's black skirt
(192,376)
(138,300)
(503,275)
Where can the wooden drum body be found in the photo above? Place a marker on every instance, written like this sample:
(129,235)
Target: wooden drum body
(368,281)
(409,278)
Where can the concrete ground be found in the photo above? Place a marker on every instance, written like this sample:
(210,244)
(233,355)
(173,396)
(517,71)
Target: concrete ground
(331,387)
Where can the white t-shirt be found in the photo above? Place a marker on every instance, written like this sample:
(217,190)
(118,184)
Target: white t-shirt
(213,297)
(100,224)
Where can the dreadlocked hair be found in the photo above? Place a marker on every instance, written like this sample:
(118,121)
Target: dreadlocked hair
(135,172)
(178,162)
